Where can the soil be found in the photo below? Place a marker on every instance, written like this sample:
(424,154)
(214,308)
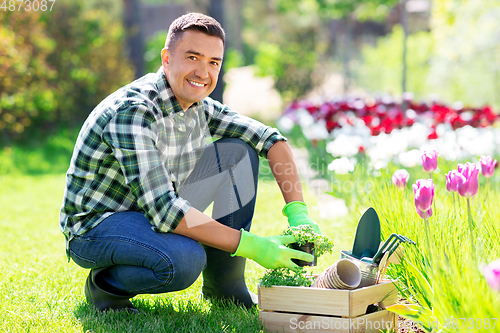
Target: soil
(407,326)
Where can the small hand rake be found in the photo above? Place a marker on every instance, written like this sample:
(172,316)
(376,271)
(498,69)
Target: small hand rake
(390,245)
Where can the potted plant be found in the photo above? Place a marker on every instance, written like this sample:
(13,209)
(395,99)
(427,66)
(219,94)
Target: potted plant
(308,241)
(287,277)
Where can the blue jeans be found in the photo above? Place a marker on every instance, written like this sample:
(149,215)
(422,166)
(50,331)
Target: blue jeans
(139,260)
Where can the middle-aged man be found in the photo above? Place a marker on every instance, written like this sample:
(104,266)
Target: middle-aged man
(146,166)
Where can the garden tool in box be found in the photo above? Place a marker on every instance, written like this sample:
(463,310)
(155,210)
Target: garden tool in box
(389,246)
(367,239)
(367,250)
(366,244)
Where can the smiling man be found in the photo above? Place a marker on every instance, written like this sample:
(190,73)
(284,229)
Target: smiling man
(143,172)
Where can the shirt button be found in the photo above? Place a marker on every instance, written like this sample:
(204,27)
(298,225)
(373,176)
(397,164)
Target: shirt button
(181,114)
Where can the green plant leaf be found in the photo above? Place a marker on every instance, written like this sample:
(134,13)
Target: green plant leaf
(305,234)
(417,313)
(421,283)
(286,277)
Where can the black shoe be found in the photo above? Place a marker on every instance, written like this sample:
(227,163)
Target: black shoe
(224,278)
(103,300)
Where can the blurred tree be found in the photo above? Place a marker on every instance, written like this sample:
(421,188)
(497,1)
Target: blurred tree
(465,65)
(90,58)
(379,70)
(458,60)
(290,37)
(287,44)
(58,65)
(135,43)
(152,54)
(25,75)
(216,10)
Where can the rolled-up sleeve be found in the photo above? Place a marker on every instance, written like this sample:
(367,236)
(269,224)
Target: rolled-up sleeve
(132,136)
(223,122)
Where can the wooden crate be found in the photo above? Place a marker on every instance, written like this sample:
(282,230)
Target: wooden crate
(302,309)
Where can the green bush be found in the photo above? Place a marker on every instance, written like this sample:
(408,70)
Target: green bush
(25,74)
(152,54)
(457,60)
(58,65)
(382,65)
(90,59)
(291,61)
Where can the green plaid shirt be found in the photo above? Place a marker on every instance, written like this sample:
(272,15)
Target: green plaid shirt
(135,144)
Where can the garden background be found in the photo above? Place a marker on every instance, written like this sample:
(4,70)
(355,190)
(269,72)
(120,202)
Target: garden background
(361,89)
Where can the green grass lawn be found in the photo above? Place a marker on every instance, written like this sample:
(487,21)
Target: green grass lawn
(41,292)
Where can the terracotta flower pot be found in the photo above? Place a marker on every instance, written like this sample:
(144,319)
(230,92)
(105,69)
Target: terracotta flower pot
(307,247)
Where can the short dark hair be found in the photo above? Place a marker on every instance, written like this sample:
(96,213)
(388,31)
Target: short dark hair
(193,21)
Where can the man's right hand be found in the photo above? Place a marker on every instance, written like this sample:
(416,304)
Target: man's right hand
(270,252)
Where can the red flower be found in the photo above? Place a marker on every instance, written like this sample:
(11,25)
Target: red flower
(330,125)
(387,125)
(376,130)
(457,121)
(367,119)
(433,135)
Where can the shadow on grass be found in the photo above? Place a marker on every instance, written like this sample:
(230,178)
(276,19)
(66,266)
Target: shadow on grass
(163,315)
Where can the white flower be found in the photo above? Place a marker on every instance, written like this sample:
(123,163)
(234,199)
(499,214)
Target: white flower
(285,124)
(304,118)
(343,145)
(476,141)
(378,165)
(341,166)
(316,131)
(416,135)
(410,158)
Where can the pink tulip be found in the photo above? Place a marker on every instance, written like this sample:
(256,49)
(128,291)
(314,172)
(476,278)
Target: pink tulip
(400,178)
(492,274)
(421,213)
(453,180)
(429,161)
(487,166)
(424,194)
(471,173)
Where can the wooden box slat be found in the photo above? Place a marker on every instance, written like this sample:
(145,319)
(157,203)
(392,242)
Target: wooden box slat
(361,298)
(304,300)
(298,323)
(331,302)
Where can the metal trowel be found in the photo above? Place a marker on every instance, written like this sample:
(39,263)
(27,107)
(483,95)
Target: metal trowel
(367,239)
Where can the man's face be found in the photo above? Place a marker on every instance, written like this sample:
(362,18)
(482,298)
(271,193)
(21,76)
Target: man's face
(192,67)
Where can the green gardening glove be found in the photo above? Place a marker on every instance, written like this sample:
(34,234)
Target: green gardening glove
(296,211)
(270,252)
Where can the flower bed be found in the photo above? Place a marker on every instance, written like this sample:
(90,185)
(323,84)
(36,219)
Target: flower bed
(386,132)
(450,240)
(451,279)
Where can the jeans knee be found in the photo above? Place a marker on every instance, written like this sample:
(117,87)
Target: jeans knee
(242,149)
(182,269)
